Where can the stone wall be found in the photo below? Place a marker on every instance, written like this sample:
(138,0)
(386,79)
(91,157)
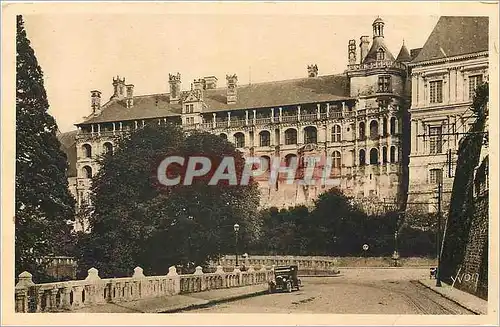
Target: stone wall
(71,295)
(472,275)
(324,264)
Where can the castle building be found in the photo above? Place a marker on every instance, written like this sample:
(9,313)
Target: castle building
(445,73)
(356,118)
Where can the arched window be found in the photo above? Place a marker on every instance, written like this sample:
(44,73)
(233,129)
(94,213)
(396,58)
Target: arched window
(337,159)
(291,136)
(311,135)
(393,154)
(373,129)
(290,159)
(87,172)
(384,154)
(108,147)
(265,138)
(362,157)
(224,136)
(265,163)
(239,140)
(384,126)
(393,125)
(373,156)
(336,133)
(87,151)
(361,133)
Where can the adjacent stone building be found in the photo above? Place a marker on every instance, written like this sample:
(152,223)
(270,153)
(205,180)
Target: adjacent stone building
(354,117)
(444,74)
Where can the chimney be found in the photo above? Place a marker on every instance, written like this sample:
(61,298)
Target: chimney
(352,52)
(199,84)
(210,82)
(175,87)
(130,95)
(232,81)
(312,70)
(364,45)
(118,88)
(95,100)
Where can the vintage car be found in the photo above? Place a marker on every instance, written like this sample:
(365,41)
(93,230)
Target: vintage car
(285,279)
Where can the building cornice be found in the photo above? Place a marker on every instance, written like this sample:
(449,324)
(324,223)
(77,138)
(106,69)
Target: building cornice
(448,59)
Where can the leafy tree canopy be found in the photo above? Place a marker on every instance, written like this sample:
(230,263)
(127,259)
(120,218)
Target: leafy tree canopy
(44,207)
(137,222)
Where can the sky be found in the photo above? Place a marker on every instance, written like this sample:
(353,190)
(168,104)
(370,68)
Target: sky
(80,52)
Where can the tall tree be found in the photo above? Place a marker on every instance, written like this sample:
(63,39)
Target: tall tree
(137,222)
(44,207)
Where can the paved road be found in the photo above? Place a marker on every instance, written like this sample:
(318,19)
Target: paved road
(357,291)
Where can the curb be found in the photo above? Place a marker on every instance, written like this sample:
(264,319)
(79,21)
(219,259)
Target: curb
(476,312)
(399,267)
(210,303)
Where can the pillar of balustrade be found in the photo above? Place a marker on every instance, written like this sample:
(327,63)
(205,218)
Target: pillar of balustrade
(139,283)
(21,291)
(174,276)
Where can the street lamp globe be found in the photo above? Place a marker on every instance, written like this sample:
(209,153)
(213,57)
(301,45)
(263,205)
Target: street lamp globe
(236,227)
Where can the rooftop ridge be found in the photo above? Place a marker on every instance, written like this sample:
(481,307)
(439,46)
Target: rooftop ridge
(221,88)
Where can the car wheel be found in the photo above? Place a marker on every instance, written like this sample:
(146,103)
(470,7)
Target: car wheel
(289,287)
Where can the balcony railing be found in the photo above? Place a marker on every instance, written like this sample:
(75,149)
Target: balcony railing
(289,119)
(262,121)
(237,122)
(308,117)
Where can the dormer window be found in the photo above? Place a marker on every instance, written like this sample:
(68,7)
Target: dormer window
(189,108)
(380,54)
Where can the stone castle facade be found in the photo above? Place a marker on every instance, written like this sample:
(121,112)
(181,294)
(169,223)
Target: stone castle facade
(445,73)
(360,118)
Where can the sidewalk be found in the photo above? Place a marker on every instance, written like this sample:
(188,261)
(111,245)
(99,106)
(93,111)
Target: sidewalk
(175,303)
(466,300)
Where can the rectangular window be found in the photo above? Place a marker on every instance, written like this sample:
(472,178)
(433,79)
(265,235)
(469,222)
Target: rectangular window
(436,140)
(384,84)
(436,176)
(436,91)
(474,81)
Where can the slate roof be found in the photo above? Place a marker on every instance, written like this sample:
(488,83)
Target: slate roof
(455,36)
(414,52)
(145,106)
(404,55)
(68,145)
(378,42)
(259,95)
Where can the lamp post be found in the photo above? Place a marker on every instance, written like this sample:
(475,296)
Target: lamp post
(395,255)
(438,273)
(236,230)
